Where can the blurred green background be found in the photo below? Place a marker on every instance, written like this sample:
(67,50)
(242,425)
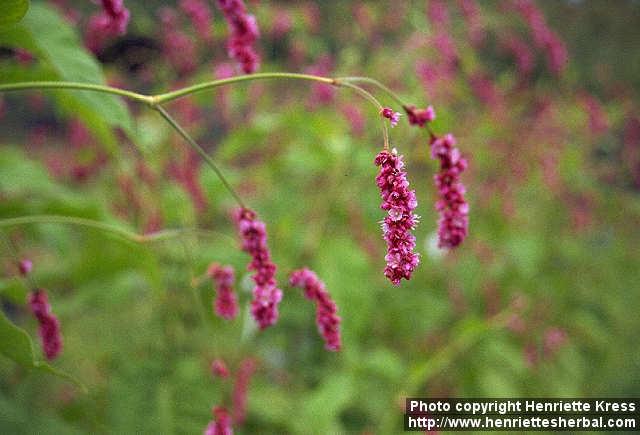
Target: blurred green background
(541,300)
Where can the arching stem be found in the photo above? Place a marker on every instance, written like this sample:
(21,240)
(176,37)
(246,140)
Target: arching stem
(102,226)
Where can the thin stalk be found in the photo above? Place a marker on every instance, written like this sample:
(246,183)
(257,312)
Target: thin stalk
(383,88)
(200,151)
(28,280)
(168,96)
(376,83)
(77,86)
(102,226)
(155,100)
(367,95)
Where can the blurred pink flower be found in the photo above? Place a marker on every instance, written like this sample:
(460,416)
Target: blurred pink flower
(219,368)
(49,328)
(244,33)
(241,390)
(226,303)
(327,319)
(109,23)
(392,116)
(221,425)
(266,296)
(200,15)
(452,206)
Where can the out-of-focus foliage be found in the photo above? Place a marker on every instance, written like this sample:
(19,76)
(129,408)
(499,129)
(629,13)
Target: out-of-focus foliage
(540,300)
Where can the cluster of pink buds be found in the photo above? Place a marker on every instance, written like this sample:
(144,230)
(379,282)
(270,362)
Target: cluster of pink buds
(392,116)
(420,117)
(25,267)
(49,328)
(244,33)
(221,425)
(226,303)
(452,206)
(327,319)
(219,369)
(266,296)
(111,22)
(399,202)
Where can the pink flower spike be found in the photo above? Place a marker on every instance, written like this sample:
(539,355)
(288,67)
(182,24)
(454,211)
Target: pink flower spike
(399,202)
(49,326)
(327,319)
(244,33)
(453,225)
(266,296)
(392,116)
(226,303)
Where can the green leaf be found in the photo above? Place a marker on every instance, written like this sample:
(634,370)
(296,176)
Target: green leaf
(16,345)
(13,11)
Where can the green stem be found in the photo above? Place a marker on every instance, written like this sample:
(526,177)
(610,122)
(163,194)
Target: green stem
(78,86)
(367,95)
(373,82)
(123,233)
(385,89)
(163,98)
(200,151)
(27,280)
(155,100)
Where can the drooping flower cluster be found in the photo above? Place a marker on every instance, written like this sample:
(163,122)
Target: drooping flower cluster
(452,206)
(221,425)
(244,33)
(399,202)
(226,303)
(327,319)
(49,327)
(266,296)
(109,23)
(200,15)
(392,116)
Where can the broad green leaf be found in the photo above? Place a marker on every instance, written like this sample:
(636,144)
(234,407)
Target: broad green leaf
(16,345)
(13,11)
